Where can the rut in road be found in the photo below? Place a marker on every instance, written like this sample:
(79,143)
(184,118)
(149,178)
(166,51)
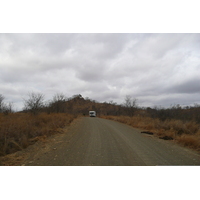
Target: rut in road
(101,142)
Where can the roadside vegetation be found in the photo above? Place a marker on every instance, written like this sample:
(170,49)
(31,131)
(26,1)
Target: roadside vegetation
(40,119)
(185,133)
(181,124)
(37,121)
(19,130)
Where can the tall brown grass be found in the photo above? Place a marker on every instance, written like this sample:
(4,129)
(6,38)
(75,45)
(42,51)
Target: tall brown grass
(19,130)
(185,133)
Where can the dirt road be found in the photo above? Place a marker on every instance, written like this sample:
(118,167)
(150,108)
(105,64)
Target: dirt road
(101,142)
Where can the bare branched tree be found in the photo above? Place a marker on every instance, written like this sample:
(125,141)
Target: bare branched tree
(130,105)
(59,97)
(34,103)
(8,108)
(1,103)
(5,107)
(58,103)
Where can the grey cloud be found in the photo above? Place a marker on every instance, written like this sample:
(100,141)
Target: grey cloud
(189,87)
(47,44)
(91,71)
(155,68)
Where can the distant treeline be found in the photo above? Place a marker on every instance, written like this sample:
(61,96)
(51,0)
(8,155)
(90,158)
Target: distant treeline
(77,105)
(186,113)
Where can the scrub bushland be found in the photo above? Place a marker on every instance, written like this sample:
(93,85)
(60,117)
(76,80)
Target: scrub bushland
(19,130)
(186,133)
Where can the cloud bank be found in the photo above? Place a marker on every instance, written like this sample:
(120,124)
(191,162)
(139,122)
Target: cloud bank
(157,69)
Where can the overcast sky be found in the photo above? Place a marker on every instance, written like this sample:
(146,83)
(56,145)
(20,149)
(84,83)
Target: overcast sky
(156,69)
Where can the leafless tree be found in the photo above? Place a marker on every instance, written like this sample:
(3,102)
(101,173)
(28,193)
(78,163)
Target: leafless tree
(8,108)
(58,103)
(5,107)
(1,103)
(59,97)
(34,103)
(130,105)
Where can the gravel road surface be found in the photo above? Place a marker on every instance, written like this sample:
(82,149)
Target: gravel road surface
(101,142)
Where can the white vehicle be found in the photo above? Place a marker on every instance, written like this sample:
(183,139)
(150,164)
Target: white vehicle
(92,113)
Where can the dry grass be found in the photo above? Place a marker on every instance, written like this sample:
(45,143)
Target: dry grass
(191,141)
(18,130)
(187,134)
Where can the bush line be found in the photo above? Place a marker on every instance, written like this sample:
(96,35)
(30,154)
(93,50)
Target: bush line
(19,130)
